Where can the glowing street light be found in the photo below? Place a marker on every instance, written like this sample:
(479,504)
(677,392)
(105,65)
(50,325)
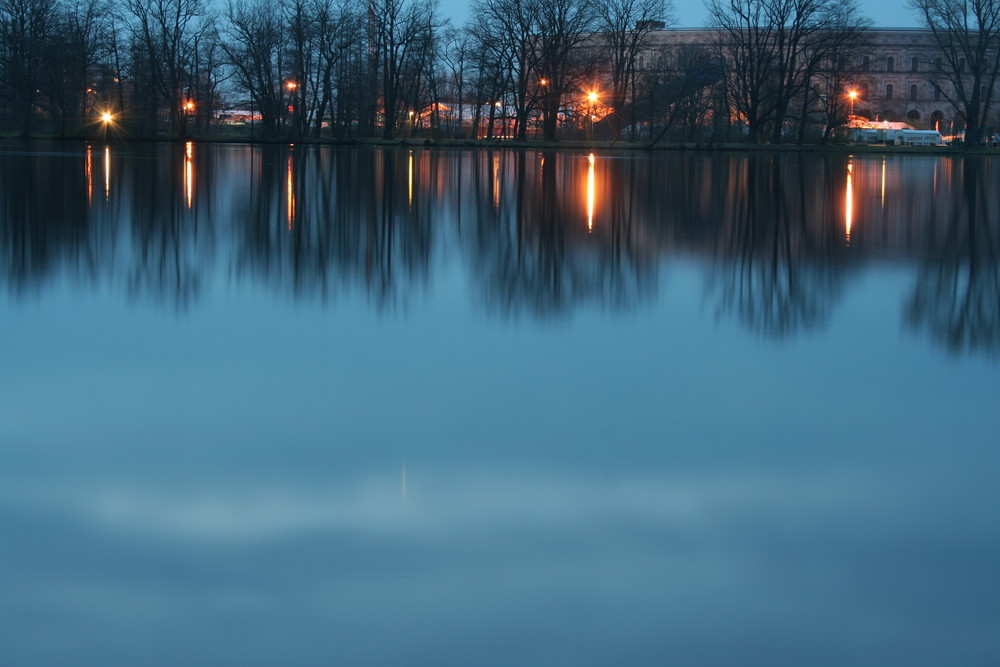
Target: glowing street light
(853,95)
(107,117)
(291,85)
(189,106)
(592,97)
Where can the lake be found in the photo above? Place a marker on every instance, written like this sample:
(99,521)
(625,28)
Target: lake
(293,405)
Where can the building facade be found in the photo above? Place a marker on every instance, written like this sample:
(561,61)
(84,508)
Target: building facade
(896,74)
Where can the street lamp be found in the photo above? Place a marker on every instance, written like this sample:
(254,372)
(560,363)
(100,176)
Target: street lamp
(592,97)
(853,95)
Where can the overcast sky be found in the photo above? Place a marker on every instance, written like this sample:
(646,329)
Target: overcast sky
(692,14)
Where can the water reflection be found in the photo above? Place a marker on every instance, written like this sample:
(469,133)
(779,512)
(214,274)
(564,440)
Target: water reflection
(849,203)
(532,253)
(780,257)
(957,295)
(313,475)
(590,192)
(290,193)
(107,172)
(782,235)
(189,173)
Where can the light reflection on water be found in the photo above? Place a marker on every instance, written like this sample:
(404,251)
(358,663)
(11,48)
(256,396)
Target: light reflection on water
(276,405)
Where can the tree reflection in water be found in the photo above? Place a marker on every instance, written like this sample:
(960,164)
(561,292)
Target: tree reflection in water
(957,293)
(320,222)
(779,263)
(545,243)
(172,244)
(541,233)
(44,227)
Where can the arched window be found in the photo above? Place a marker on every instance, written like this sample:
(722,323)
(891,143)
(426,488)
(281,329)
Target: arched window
(914,65)
(913,92)
(936,119)
(888,92)
(890,64)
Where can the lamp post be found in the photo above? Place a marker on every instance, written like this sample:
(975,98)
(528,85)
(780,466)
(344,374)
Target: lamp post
(292,86)
(592,97)
(853,95)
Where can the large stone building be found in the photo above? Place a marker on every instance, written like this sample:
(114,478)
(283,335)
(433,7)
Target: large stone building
(896,74)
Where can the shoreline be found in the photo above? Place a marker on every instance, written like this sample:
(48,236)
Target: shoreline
(508,144)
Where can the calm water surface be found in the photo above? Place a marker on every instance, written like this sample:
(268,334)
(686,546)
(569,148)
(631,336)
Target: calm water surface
(295,406)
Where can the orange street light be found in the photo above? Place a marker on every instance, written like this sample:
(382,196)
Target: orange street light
(292,85)
(592,97)
(543,82)
(107,117)
(853,95)
(189,106)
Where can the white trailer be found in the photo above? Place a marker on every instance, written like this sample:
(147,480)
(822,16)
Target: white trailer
(891,137)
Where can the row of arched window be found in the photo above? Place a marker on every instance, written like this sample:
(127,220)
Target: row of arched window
(890,64)
(915,92)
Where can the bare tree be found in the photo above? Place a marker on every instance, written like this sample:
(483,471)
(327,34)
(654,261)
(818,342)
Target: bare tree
(771,49)
(836,65)
(967,33)
(26,27)
(562,27)
(506,31)
(624,27)
(167,33)
(457,57)
(402,31)
(254,44)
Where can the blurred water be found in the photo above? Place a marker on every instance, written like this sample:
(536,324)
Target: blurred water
(313,406)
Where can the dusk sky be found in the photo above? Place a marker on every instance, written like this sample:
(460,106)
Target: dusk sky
(692,14)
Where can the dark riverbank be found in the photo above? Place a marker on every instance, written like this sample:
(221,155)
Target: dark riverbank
(570,144)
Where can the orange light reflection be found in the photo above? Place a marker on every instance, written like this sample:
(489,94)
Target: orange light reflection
(90,175)
(590,193)
(290,195)
(189,173)
(849,202)
(107,171)
(496,181)
(883,182)
(409,181)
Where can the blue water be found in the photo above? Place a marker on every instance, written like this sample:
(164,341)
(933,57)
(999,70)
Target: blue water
(315,406)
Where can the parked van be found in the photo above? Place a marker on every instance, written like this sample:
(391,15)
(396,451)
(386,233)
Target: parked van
(898,137)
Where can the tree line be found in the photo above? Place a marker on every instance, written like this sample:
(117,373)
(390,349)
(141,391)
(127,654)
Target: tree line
(774,71)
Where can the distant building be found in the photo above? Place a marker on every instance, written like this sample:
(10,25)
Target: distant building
(897,75)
